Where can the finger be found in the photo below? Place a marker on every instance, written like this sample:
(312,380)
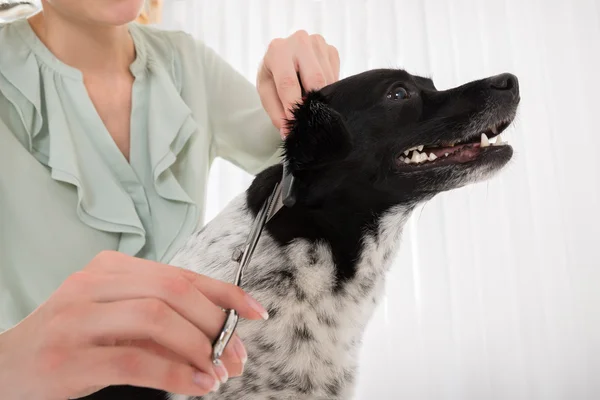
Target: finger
(311,73)
(146,344)
(234,366)
(271,102)
(334,60)
(231,296)
(279,62)
(321,50)
(227,295)
(175,291)
(234,357)
(108,366)
(147,319)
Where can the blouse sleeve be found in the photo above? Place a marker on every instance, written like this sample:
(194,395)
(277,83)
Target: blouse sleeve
(242,131)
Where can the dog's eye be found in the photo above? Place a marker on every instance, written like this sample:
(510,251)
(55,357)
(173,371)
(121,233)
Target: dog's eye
(398,93)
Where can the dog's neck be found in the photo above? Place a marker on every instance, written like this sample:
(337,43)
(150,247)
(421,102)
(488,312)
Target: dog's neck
(343,220)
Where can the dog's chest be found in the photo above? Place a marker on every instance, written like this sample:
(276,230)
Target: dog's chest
(308,347)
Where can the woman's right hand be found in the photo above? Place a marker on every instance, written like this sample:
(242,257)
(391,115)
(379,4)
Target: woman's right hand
(124,321)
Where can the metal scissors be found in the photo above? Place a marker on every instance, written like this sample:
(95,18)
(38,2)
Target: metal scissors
(283,195)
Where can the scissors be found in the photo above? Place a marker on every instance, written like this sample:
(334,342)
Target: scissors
(283,195)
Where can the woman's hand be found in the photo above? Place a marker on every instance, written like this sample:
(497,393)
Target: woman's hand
(309,56)
(124,321)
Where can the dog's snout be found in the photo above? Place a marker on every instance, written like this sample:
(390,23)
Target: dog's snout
(505,82)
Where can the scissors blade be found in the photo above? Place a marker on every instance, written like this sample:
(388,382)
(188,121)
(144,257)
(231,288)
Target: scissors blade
(269,208)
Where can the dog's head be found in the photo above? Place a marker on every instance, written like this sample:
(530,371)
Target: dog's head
(394,136)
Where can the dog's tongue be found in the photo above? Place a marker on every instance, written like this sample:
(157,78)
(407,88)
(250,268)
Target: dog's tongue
(461,152)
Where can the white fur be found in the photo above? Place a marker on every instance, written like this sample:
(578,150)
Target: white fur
(329,359)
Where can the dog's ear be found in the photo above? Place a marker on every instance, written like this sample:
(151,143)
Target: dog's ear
(317,135)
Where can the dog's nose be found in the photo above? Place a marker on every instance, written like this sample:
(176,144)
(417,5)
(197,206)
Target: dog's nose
(505,82)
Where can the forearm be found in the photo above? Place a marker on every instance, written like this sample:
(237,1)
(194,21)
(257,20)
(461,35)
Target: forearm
(242,130)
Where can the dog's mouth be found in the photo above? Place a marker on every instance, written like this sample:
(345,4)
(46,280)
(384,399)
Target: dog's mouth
(457,152)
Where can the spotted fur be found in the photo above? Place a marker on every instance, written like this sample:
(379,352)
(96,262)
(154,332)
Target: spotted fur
(320,266)
(308,347)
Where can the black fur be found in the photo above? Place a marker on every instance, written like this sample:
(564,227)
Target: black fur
(127,393)
(343,151)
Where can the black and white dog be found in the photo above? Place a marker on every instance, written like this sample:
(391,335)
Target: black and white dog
(364,152)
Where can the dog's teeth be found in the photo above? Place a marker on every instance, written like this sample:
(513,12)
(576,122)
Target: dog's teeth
(446,154)
(432,157)
(407,160)
(499,141)
(423,157)
(484,140)
(406,152)
(494,129)
(420,148)
(411,149)
(415,157)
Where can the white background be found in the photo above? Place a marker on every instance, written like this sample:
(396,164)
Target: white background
(496,292)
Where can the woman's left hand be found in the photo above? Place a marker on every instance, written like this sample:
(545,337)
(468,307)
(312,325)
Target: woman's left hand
(309,56)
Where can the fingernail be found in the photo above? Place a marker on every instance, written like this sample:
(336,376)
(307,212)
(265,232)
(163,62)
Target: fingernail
(206,381)
(255,305)
(239,349)
(221,371)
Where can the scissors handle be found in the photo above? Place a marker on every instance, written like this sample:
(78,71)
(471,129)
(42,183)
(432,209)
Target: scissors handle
(225,336)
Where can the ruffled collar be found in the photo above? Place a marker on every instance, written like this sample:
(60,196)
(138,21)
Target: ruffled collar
(58,140)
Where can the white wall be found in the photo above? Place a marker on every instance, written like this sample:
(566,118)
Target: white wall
(496,292)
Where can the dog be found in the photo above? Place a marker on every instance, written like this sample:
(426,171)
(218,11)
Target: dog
(364,152)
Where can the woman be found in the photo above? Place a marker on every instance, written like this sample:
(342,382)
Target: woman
(107,132)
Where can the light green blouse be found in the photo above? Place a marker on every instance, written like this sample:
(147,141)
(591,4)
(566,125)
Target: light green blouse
(67,192)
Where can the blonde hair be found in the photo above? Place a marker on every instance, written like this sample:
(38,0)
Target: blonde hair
(151,12)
